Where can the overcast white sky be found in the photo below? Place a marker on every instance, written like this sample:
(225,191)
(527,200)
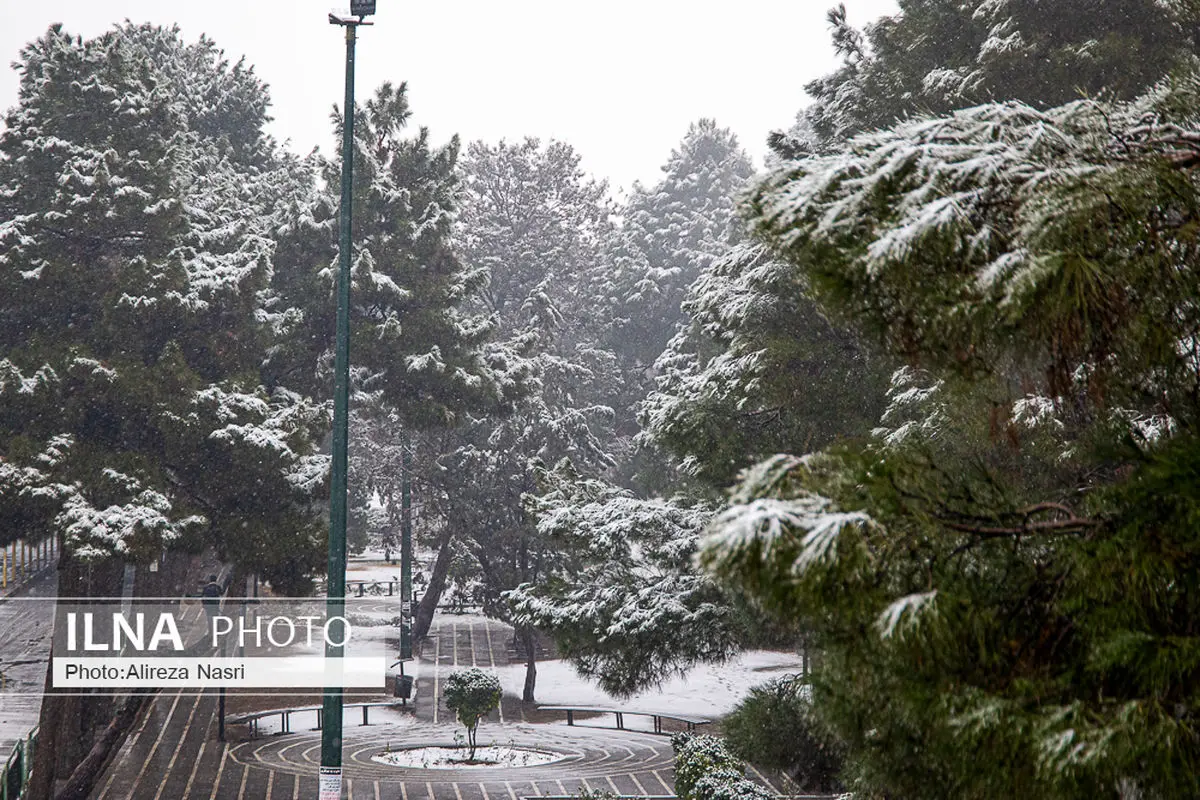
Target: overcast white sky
(619,80)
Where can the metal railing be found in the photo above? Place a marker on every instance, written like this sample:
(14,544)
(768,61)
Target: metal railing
(18,766)
(285,715)
(23,560)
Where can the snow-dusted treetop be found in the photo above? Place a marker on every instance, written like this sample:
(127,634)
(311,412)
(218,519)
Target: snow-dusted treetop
(951,236)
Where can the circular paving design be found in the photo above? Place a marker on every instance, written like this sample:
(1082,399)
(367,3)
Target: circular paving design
(589,753)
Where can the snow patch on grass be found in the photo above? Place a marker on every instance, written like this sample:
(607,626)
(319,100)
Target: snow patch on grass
(456,757)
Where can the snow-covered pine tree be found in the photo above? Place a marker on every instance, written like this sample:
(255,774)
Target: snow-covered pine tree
(1003,580)
(756,369)
(934,56)
(622,600)
(417,345)
(533,224)
(136,254)
(412,339)
(628,615)
(670,233)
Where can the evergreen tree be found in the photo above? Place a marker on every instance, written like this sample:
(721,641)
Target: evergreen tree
(136,253)
(1001,578)
(934,56)
(757,369)
(224,104)
(418,354)
(412,340)
(743,376)
(533,224)
(670,233)
(138,196)
(622,601)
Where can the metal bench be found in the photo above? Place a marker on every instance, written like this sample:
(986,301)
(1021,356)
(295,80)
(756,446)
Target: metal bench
(393,587)
(285,715)
(658,716)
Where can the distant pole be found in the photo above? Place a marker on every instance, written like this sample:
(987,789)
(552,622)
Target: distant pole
(330,774)
(406,554)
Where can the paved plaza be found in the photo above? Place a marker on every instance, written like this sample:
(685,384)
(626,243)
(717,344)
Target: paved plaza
(174,751)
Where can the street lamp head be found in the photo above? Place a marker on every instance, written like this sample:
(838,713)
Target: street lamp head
(357,16)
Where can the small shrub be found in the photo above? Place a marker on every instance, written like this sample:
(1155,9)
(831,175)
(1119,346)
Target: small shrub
(472,694)
(774,727)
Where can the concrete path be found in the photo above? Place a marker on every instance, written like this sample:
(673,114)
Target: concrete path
(26,625)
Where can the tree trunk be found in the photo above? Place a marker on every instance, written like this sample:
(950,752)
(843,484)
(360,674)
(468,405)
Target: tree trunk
(529,642)
(83,779)
(51,740)
(433,591)
(68,723)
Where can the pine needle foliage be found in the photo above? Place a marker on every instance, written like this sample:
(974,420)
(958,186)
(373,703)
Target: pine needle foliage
(934,56)
(1001,576)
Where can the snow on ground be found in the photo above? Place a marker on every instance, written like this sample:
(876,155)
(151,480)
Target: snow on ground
(710,690)
(371,566)
(454,757)
(706,690)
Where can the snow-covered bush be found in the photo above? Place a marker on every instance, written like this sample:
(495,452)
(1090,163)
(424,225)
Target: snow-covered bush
(705,769)
(696,755)
(727,784)
(472,694)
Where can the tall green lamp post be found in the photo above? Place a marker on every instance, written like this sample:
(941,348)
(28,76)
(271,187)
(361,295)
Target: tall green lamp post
(330,777)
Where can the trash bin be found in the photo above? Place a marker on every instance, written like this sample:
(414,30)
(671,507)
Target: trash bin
(403,688)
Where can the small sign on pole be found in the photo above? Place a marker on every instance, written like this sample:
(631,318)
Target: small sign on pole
(329,786)
(362,8)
